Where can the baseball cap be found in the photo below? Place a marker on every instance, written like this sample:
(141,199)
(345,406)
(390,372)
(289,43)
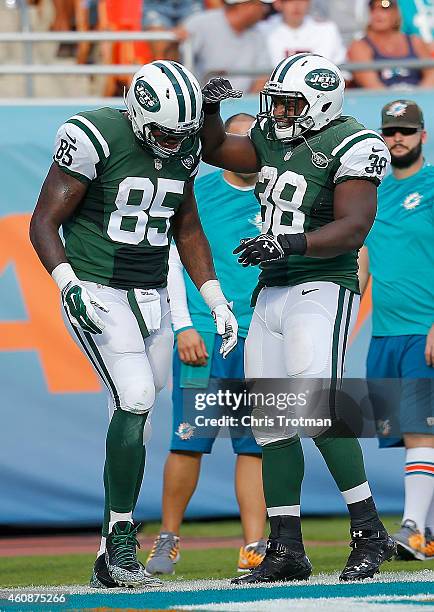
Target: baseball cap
(402,113)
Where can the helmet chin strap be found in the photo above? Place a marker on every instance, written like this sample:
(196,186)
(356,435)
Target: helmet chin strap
(298,129)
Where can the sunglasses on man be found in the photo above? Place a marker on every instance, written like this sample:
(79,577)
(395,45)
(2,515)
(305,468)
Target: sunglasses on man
(405,131)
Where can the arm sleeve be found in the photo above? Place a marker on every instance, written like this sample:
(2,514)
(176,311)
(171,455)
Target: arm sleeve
(177,292)
(75,153)
(367,159)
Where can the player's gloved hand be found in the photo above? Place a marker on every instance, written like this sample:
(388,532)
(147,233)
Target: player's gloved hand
(227,328)
(226,323)
(217,90)
(265,247)
(80,304)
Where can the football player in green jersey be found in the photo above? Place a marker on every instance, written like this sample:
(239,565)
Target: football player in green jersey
(318,176)
(121,184)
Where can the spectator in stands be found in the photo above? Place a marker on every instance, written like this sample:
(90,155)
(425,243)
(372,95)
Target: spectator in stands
(418,18)
(163,16)
(293,30)
(86,18)
(125,15)
(228,210)
(350,17)
(64,21)
(226,38)
(384,40)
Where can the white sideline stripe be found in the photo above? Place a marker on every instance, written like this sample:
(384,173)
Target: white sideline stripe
(350,138)
(102,141)
(185,586)
(357,494)
(284,511)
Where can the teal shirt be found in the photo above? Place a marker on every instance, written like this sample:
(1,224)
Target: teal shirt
(417,17)
(227,214)
(401,255)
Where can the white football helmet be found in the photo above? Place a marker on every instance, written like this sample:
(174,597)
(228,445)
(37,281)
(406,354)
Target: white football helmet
(164,102)
(310,84)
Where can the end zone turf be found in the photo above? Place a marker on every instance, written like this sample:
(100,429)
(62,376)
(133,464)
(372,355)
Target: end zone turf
(324,592)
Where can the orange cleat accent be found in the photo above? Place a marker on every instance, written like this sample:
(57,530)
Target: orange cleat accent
(251,555)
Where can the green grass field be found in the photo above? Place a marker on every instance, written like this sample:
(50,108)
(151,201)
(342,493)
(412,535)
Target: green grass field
(195,564)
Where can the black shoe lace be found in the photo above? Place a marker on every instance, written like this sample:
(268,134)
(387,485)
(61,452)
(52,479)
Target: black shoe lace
(124,548)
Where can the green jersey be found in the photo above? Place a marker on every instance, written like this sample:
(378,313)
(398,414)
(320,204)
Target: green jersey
(295,190)
(120,233)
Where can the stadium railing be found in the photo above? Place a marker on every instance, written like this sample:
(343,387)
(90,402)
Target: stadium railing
(29,68)
(29,38)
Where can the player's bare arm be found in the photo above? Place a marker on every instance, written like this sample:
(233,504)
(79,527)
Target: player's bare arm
(229,151)
(192,244)
(60,195)
(354,206)
(195,254)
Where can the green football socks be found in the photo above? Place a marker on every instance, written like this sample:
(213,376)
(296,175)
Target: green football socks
(105,528)
(344,460)
(125,461)
(283,471)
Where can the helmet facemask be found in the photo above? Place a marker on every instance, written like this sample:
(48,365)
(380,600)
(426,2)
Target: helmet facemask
(165,142)
(287,113)
(154,137)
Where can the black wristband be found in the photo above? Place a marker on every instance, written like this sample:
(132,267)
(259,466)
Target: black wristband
(293,244)
(211,108)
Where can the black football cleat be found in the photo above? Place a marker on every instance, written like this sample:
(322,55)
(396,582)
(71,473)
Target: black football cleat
(101,579)
(279,564)
(370,549)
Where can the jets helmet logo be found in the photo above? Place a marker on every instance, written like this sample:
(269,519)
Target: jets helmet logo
(322,79)
(146,96)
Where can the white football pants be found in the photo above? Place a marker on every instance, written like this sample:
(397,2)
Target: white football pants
(133,369)
(300,331)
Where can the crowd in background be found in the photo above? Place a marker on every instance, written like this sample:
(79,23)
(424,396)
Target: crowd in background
(232,36)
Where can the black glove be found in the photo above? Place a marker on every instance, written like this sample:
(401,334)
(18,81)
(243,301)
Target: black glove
(266,247)
(215,91)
